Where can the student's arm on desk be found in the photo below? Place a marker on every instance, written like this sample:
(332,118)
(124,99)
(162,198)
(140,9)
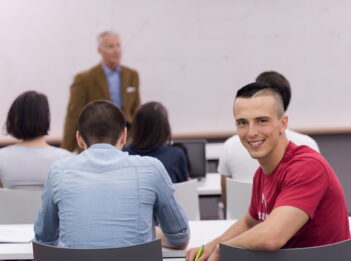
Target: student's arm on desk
(172,219)
(164,241)
(236,229)
(281,225)
(269,235)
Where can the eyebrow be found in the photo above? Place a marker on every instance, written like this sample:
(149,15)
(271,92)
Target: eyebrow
(241,119)
(257,118)
(263,118)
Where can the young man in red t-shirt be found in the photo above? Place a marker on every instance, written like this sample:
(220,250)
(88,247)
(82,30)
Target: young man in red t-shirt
(297,200)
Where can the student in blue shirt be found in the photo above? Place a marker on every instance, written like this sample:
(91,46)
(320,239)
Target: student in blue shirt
(104,197)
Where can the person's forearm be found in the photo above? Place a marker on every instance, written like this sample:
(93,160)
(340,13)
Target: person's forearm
(211,249)
(257,238)
(164,241)
(236,229)
(272,234)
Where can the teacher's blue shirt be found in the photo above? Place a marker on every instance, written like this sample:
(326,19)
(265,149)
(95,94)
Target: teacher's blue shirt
(114,83)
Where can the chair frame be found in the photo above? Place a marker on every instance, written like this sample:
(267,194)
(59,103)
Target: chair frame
(238,194)
(19,206)
(187,196)
(146,251)
(340,251)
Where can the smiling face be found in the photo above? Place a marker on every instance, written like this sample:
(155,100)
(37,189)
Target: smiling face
(110,50)
(261,128)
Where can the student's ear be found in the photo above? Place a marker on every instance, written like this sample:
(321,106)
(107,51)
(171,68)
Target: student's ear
(284,123)
(80,141)
(99,50)
(122,139)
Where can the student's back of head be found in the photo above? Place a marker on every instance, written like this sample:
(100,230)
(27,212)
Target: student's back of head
(101,122)
(29,116)
(150,126)
(151,134)
(277,80)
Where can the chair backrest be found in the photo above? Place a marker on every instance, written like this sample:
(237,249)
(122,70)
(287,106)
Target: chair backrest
(238,198)
(195,150)
(19,206)
(340,251)
(187,196)
(147,251)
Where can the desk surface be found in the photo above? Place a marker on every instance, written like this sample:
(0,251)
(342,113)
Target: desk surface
(213,228)
(210,186)
(213,150)
(201,233)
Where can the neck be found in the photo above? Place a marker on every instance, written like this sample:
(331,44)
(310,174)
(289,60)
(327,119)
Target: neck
(270,163)
(36,142)
(112,66)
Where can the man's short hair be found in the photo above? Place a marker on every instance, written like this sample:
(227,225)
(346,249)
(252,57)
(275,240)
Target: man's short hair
(150,126)
(257,89)
(29,116)
(103,34)
(101,121)
(278,81)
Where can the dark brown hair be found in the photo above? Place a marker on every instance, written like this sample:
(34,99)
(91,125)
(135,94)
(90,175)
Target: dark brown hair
(150,126)
(277,80)
(101,121)
(29,116)
(259,89)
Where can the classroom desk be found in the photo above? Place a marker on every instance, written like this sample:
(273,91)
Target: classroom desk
(214,150)
(201,233)
(213,228)
(210,186)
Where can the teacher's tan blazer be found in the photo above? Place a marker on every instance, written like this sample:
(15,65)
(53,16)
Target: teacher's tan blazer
(92,85)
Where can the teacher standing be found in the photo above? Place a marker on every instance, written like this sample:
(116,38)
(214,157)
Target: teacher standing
(109,80)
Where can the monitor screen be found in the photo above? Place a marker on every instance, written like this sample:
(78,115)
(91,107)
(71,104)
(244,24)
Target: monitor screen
(195,150)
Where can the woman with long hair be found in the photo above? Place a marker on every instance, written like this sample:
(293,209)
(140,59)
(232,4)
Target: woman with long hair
(151,136)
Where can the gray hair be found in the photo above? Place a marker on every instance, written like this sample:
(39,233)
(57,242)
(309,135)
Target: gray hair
(103,34)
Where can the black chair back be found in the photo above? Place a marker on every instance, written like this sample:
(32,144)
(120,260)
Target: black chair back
(147,251)
(340,251)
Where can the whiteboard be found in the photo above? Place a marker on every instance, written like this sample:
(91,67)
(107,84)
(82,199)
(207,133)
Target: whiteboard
(192,55)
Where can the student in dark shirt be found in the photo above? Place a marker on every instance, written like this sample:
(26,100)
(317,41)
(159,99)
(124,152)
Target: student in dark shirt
(151,135)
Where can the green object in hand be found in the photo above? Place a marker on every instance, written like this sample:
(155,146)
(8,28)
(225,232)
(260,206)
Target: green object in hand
(199,253)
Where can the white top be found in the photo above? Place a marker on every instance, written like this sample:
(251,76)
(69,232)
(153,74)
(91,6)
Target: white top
(236,162)
(24,167)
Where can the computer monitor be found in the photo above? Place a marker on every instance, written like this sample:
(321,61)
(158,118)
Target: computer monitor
(195,150)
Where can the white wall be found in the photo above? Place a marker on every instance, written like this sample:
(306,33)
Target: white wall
(192,55)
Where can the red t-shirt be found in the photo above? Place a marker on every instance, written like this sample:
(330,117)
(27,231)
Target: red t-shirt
(303,179)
